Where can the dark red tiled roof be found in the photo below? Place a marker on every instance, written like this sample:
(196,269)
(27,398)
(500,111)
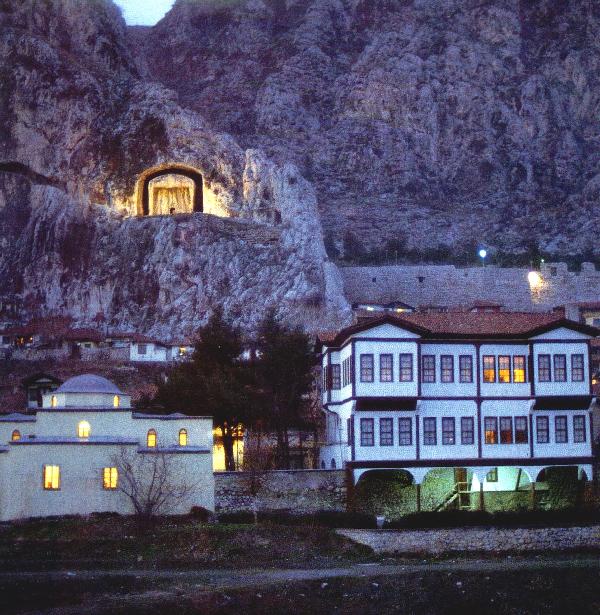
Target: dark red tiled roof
(88,335)
(461,325)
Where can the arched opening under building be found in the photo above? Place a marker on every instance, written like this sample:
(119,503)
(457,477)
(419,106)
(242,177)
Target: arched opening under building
(560,487)
(170,190)
(390,493)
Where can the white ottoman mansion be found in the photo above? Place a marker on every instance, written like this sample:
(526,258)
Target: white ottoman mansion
(86,451)
(496,396)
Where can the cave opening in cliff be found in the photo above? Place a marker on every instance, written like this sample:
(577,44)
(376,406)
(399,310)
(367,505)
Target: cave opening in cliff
(170,190)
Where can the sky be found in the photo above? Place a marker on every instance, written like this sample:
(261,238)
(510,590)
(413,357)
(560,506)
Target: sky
(144,12)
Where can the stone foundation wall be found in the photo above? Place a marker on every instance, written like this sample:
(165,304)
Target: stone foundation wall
(437,541)
(294,491)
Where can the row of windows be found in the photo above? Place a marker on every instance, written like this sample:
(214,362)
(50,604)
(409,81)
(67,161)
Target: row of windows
(152,438)
(84,430)
(51,478)
(501,368)
(497,430)
(54,401)
(561,429)
(558,373)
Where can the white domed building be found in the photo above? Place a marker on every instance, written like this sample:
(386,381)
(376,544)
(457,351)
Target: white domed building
(85,448)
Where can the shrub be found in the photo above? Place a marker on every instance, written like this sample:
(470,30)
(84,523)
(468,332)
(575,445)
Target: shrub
(201,514)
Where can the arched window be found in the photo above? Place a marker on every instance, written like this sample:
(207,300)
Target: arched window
(16,435)
(116,401)
(183,437)
(333,464)
(151,438)
(83,429)
(323,465)
(53,401)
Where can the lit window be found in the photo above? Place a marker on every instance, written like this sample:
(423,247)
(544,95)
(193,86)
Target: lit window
(54,401)
(16,435)
(491,430)
(183,437)
(83,429)
(110,478)
(503,368)
(506,430)
(519,369)
(182,351)
(52,477)
(151,438)
(489,368)
(116,401)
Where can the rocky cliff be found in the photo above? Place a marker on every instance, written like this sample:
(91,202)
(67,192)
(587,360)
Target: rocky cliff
(79,129)
(427,126)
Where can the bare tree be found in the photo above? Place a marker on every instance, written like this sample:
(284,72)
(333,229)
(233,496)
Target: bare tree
(258,460)
(152,481)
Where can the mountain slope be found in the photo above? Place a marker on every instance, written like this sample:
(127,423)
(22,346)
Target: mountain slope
(428,126)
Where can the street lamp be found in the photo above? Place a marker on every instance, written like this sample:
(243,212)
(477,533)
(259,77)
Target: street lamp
(482,255)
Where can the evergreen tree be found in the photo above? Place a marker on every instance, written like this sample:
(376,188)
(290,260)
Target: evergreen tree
(284,373)
(214,383)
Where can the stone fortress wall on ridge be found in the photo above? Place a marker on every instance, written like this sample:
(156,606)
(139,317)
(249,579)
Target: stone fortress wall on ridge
(515,288)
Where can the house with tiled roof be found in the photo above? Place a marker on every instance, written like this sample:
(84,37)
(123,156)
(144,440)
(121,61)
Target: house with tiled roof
(494,398)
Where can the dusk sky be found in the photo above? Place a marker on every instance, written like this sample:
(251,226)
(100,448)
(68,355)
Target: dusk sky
(144,12)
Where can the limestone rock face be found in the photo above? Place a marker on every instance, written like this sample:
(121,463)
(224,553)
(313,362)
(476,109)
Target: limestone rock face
(423,123)
(82,129)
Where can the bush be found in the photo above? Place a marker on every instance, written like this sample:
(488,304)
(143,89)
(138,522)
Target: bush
(330,519)
(201,514)
(462,518)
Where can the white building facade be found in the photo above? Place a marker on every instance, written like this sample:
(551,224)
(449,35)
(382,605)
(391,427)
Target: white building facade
(482,392)
(67,458)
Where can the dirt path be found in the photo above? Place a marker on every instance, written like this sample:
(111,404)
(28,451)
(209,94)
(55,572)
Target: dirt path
(230,579)
(106,589)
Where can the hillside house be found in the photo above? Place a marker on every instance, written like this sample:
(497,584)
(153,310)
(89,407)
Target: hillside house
(64,459)
(38,385)
(492,398)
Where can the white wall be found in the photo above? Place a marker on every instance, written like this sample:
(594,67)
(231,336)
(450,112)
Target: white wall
(386,389)
(154,352)
(81,491)
(568,387)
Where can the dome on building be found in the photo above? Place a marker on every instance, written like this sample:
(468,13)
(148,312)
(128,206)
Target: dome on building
(88,383)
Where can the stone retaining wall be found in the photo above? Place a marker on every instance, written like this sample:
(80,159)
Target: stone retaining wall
(452,286)
(294,491)
(437,541)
